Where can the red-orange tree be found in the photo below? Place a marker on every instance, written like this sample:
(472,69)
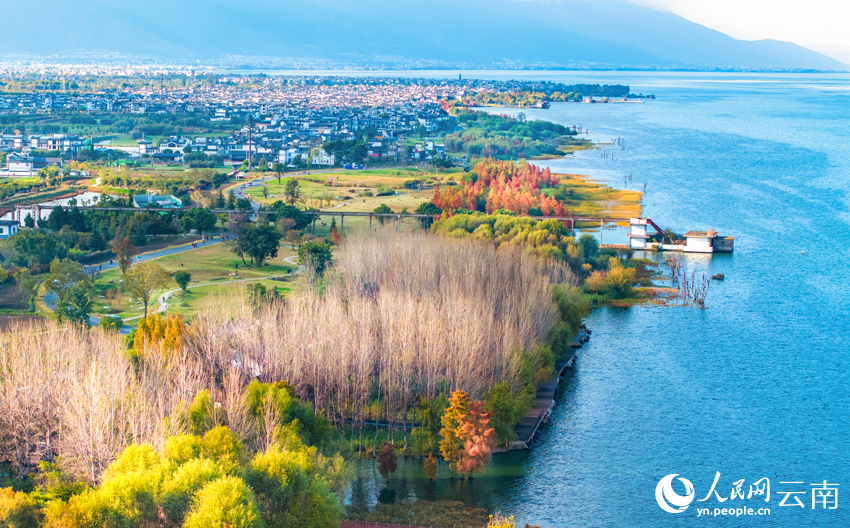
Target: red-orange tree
(467,440)
(503,185)
(451,442)
(479,440)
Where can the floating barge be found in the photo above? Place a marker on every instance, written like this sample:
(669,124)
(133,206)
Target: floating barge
(695,241)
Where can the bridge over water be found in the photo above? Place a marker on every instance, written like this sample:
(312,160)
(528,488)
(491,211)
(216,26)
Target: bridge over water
(20,212)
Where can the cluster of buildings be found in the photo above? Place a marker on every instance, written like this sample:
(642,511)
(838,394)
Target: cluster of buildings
(298,136)
(293,118)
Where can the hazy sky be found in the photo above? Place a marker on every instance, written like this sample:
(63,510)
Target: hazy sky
(820,25)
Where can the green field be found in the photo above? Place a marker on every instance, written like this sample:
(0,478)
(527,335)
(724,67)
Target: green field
(211,264)
(196,297)
(341,191)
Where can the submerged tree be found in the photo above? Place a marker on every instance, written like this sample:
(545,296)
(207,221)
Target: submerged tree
(430,467)
(451,435)
(479,440)
(387,462)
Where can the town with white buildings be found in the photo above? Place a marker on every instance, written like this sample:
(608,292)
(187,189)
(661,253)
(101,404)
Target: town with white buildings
(280,120)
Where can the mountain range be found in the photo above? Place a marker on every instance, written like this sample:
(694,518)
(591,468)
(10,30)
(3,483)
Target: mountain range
(486,33)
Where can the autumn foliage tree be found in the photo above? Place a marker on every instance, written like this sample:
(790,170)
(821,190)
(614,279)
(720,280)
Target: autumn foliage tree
(452,442)
(517,187)
(160,334)
(467,440)
(479,440)
(387,461)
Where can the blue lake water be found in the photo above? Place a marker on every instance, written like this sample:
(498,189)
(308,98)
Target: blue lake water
(754,386)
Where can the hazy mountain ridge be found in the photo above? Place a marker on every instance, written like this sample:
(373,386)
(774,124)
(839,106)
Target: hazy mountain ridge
(603,32)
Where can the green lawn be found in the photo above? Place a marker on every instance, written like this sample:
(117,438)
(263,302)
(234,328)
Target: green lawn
(196,297)
(344,187)
(214,263)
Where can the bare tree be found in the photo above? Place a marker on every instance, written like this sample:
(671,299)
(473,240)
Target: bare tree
(401,312)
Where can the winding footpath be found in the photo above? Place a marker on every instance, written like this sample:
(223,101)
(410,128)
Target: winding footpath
(51,298)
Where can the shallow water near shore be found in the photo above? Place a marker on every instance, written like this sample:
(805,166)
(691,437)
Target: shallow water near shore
(754,386)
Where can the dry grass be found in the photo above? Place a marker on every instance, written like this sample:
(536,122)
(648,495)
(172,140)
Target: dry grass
(593,198)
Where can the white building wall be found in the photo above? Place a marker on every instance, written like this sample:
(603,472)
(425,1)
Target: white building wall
(698,245)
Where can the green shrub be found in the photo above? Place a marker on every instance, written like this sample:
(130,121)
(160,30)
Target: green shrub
(220,444)
(507,408)
(183,448)
(17,510)
(112,323)
(181,487)
(288,492)
(225,502)
(200,413)
(617,282)
(423,441)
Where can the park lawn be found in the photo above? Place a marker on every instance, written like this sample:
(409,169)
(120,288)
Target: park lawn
(120,141)
(41,307)
(41,196)
(345,186)
(196,298)
(205,264)
(25,180)
(217,261)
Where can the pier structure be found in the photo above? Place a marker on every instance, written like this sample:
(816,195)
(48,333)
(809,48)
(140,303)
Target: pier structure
(695,241)
(539,415)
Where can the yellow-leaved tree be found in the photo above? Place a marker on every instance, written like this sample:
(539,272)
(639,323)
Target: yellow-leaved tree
(451,441)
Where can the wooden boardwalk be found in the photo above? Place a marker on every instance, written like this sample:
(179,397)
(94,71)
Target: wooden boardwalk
(539,414)
(364,524)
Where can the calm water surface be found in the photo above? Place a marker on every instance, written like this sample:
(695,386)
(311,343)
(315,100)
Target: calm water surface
(754,386)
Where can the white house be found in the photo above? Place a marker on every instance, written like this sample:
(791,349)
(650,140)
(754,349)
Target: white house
(321,157)
(637,233)
(146,147)
(707,242)
(8,228)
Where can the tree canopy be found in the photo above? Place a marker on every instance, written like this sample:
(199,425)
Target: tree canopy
(260,241)
(143,279)
(315,254)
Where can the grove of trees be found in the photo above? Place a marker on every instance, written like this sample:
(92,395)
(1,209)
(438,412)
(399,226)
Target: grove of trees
(410,316)
(493,136)
(495,185)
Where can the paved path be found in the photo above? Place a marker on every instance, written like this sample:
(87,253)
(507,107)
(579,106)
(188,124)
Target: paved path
(294,261)
(163,299)
(50,298)
(239,188)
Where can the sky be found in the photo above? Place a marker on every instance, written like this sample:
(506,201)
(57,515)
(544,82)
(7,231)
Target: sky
(820,25)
